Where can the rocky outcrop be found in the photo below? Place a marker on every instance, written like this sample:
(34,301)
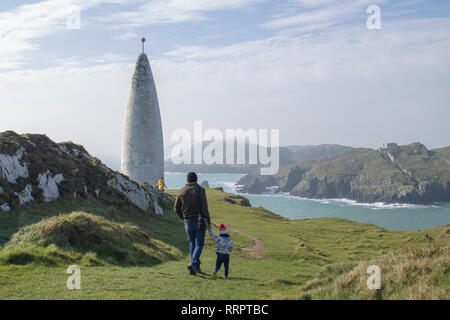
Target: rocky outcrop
(49,185)
(237,199)
(34,168)
(285,180)
(157,209)
(5,207)
(204,184)
(288,177)
(254,183)
(25,195)
(136,194)
(12,167)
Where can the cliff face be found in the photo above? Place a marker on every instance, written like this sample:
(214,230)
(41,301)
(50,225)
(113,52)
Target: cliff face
(286,179)
(411,174)
(362,175)
(34,168)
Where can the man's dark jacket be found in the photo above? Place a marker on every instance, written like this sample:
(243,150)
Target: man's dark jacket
(187,203)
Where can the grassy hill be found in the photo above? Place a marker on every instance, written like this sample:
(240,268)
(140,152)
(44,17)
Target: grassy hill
(125,253)
(410,174)
(422,273)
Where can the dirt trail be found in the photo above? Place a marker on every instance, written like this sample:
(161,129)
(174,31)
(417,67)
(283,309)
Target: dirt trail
(254,252)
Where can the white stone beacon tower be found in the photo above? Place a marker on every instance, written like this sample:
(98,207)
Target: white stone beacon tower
(142,144)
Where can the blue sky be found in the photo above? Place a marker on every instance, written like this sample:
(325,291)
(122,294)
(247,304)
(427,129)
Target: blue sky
(309,68)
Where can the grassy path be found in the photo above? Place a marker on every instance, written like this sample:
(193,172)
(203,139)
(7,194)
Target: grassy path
(255,252)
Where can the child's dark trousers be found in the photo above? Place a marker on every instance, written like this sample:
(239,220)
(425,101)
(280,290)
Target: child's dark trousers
(225,259)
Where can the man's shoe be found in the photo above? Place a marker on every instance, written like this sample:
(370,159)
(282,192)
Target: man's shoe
(192,270)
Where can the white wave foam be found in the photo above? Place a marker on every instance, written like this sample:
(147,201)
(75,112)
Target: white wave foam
(229,184)
(343,201)
(377,205)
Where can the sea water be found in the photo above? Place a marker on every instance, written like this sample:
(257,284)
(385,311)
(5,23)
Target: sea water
(391,216)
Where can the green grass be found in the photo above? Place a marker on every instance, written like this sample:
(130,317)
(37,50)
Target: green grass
(296,253)
(409,274)
(87,238)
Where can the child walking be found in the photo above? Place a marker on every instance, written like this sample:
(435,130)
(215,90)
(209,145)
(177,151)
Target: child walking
(224,245)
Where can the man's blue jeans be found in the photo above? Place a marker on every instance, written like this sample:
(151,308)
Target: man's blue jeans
(196,241)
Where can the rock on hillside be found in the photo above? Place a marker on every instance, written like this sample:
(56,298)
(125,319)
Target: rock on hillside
(34,168)
(204,184)
(237,199)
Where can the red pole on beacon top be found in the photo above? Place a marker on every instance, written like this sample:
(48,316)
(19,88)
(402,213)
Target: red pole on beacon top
(143,41)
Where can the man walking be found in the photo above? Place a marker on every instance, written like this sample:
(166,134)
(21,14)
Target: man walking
(191,205)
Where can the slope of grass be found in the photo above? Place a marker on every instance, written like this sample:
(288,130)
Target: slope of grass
(408,274)
(295,253)
(110,208)
(85,239)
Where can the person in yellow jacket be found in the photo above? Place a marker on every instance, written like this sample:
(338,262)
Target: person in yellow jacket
(161,185)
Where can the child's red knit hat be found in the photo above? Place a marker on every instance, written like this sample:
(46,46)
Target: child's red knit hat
(223,229)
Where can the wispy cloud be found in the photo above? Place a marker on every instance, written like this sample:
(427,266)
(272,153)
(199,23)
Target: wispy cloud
(312,15)
(125,35)
(19,27)
(172,11)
